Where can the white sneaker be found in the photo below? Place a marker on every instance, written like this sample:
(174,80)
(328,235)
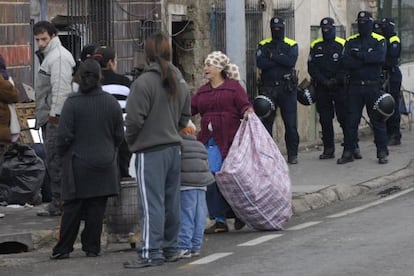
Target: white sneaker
(184,253)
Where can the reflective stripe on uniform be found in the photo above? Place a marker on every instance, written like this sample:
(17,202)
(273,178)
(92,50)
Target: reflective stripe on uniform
(394,39)
(287,40)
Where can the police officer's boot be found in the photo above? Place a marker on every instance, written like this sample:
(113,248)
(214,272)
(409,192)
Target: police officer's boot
(347,156)
(382,157)
(328,153)
(357,154)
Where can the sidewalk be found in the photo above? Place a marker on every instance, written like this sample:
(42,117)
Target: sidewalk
(315,183)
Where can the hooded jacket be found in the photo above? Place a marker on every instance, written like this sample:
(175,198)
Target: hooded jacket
(53,81)
(154,117)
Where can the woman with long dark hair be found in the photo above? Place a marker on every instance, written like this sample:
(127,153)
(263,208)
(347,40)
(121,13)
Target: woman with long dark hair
(158,107)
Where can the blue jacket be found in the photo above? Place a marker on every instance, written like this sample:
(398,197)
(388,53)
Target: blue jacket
(392,59)
(365,56)
(325,58)
(276,58)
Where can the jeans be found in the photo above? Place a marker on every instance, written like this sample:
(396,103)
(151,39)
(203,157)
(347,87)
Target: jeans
(193,219)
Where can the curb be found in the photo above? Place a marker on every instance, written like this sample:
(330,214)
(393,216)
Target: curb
(326,196)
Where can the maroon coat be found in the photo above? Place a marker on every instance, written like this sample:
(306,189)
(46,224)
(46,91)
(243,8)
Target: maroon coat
(223,106)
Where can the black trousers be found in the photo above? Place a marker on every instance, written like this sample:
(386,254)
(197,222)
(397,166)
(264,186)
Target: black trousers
(92,211)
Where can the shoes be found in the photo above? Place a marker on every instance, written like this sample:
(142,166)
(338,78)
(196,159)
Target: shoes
(357,154)
(195,253)
(394,142)
(140,263)
(172,258)
(184,253)
(292,160)
(328,153)
(382,158)
(238,223)
(91,254)
(59,256)
(326,156)
(346,157)
(46,213)
(218,227)
(52,210)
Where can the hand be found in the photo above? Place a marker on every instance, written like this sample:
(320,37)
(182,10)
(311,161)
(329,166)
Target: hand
(247,112)
(357,53)
(354,51)
(332,83)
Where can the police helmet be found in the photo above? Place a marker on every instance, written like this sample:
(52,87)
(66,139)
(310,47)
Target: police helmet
(263,106)
(306,96)
(383,107)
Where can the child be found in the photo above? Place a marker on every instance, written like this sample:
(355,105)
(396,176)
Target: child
(195,176)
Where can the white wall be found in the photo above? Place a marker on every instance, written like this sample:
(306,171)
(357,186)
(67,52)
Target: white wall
(408,76)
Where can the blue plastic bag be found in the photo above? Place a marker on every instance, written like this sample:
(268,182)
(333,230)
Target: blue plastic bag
(214,156)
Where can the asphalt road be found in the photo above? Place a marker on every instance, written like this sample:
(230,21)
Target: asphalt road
(367,235)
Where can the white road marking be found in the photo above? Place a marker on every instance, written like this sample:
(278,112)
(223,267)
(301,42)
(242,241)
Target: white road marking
(211,258)
(303,225)
(360,208)
(260,240)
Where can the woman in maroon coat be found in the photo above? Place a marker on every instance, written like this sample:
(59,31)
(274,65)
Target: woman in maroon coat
(221,103)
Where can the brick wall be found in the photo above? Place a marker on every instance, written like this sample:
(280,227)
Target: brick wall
(16,40)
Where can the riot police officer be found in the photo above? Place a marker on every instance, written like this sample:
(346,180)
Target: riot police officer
(276,57)
(325,68)
(364,56)
(394,78)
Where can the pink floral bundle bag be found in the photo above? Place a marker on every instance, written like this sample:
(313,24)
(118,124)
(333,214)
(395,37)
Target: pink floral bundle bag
(254,178)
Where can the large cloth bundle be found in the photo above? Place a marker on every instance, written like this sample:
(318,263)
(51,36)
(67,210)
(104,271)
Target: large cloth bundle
(254,178)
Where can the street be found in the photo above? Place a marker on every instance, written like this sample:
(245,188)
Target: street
(367,235)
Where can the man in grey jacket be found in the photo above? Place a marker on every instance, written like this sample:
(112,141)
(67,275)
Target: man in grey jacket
(52,87)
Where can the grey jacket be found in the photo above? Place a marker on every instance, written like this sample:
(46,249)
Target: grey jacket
(53,81)
(194,165)
(154,118)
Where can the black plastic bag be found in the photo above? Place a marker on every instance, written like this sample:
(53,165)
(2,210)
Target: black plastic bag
(22,172)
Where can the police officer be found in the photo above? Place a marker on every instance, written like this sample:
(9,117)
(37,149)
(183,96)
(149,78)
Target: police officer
(325,68)
(394,76)
(377,26)
(364,56)
(276,57)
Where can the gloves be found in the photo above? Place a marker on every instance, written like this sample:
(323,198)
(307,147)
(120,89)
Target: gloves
(357,53)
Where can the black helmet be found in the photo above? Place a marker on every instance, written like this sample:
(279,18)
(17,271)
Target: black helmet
(263,106)
(306,96)
(383,107)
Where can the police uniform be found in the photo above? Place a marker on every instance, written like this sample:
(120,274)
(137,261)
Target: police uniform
(276,57)
(392,70)
(325,68)
(364,56)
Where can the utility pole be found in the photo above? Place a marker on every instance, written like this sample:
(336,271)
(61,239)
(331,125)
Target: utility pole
(236,35)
